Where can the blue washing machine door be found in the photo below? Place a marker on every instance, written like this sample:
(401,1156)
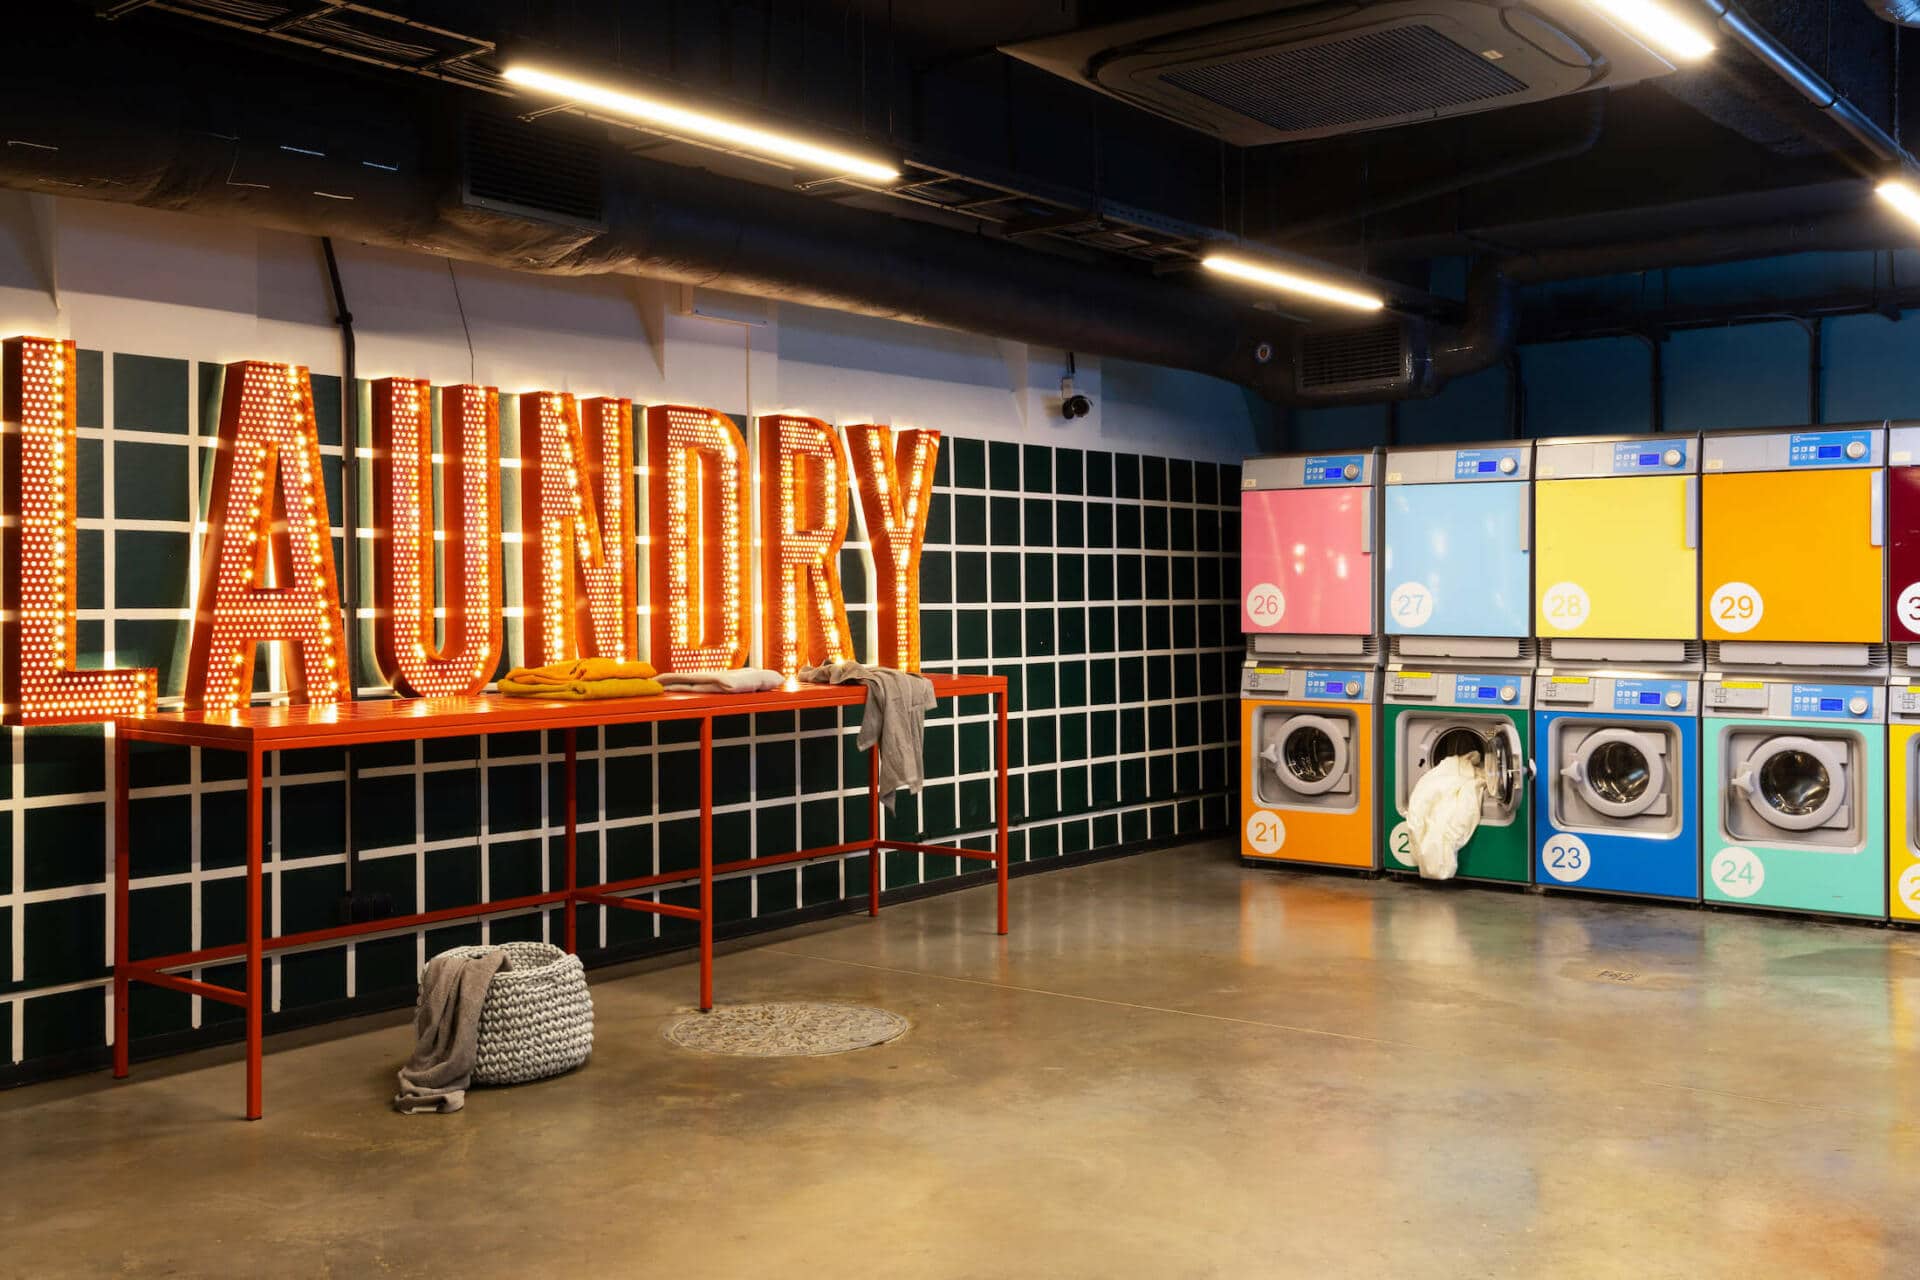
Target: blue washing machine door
(1457,560)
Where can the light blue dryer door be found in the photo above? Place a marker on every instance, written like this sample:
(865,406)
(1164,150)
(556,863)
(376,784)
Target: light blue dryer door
(1457,560)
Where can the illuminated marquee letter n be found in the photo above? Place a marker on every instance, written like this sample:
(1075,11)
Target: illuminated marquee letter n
(697,518)
(404,643)
(894,499)
(803,521)
(266,566)
(578,574)
(42,685)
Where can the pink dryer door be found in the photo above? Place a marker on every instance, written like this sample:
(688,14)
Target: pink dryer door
(1306,561)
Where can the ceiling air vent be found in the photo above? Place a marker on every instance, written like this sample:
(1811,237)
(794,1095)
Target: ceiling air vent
(534,171)
(1253,72)
(1375,358)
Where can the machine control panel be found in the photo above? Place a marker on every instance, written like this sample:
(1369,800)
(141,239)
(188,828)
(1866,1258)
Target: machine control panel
(1652,695)
(1783,700)
(1631,695)
(1634,457)
(1309,471)
(1496,461)
(1654,455)
(1903,701)
(1832,701)
(1828,448)
(1334,469)
(1459,688)
(1306,684)
(1486,464)
(1576,691)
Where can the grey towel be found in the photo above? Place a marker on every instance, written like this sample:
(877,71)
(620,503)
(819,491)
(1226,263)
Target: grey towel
(896,718)
(446,1028)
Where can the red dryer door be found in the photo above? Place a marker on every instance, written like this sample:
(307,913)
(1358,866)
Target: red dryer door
(1903,551)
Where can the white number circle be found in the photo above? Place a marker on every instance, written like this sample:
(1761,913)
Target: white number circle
(1566,606)
(1738,872)
(1736,607)
(1907,607)
(1265,832)
(1411,604)
(1400,845)
(1566,858)
(1910,888)
(1266,604)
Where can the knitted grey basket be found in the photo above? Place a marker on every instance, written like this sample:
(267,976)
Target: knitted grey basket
(538,1018)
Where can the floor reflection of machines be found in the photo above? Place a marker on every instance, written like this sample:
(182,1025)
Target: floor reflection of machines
(1309,691)
(1458,607)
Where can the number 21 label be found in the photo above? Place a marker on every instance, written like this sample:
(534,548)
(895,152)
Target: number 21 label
(1736,607)
(1265,832)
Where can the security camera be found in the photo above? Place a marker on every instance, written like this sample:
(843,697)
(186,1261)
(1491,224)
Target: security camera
(1076,406)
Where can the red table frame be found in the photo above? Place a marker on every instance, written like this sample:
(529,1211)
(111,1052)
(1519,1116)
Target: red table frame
(257,731)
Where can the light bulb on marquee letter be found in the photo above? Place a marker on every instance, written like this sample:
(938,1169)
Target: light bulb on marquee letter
(403,516)
(578,573)
(42,686)
(266,567)
(803,521)
(697,517)
(894,500)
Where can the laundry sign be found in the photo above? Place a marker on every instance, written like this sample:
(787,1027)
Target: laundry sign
(268,573)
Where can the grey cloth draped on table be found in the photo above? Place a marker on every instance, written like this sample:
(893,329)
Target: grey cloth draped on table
(895,718)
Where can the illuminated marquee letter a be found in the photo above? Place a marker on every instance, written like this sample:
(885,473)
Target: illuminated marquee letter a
(258,584)
(894,499)
(42,685)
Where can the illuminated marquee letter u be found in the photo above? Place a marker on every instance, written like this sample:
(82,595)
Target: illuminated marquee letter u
(266,566)
(403,514)
(803,521)
(42,685)
(894,499)
(697,519)
(579,578)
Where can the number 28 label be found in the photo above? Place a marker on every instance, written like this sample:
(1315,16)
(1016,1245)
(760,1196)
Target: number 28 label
(1736,607)
(1565,606)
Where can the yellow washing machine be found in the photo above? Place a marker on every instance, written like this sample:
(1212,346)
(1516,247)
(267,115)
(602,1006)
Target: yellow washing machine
(1307,765)
(1903,799)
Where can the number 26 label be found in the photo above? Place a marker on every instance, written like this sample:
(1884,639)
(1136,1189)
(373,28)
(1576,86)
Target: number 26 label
(1265,604)
(1736,607)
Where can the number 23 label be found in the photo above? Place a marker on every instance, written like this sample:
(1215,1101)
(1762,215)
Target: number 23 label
(1736,607)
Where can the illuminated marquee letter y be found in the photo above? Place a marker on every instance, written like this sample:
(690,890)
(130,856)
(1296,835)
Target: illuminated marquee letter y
(894,499)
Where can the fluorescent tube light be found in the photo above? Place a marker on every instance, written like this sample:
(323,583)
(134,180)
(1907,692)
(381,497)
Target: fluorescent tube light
(1902,196)
(1659,26)
(1288,282)
(696,124)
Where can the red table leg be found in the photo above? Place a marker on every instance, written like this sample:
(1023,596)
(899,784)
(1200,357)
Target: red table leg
(256,980)
(568,929)
(1000,807)
(706,864)
(873,831)
(122,900)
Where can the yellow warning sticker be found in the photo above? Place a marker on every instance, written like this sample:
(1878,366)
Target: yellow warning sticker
(1743,684)
(1570,679)
(1415,675)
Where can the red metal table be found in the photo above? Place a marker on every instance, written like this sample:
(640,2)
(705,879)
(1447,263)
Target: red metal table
(256,731)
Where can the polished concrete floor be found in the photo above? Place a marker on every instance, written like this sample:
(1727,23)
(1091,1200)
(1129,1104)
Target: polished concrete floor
(1173,1068)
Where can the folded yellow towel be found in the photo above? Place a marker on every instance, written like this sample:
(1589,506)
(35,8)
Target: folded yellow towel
(564,673)
(576,690)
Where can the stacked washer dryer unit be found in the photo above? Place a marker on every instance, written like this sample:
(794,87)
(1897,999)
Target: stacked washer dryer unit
(1458,607)
(1794,598)
(1903,690)
(1617,698)
(1309,691)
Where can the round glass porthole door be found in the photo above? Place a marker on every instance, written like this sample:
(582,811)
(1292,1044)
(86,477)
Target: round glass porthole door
(1308,754)
(1618,773)
(1796,784)
(1501,762)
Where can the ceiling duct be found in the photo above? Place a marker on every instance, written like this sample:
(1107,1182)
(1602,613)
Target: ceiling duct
(1905,13)
(1250,72)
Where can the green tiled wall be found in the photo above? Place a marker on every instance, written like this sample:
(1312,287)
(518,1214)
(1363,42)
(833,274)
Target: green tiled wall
(1100,584)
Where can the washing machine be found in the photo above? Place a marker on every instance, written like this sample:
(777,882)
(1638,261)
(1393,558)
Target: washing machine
(1792,548)
(1616,523)
(1903,799)
(1616,804)
(1794,794)
(1308,528)
(1307,765)
(1457,574)
(1427,716)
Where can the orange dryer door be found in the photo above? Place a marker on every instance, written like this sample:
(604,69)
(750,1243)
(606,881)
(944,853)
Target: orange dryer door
(1792,557)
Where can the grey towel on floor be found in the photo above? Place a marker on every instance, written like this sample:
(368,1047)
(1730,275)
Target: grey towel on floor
(447,1030)
(896,718)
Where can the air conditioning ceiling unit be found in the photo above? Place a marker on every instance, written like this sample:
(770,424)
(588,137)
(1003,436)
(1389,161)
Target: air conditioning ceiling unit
(1252,72)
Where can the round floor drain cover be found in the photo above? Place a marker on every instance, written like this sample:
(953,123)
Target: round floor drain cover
(786,1029)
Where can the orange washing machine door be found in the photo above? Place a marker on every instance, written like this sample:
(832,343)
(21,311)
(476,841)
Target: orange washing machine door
(1794,555)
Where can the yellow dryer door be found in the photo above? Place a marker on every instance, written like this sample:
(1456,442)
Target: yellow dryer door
(1612,559)
(1791,557)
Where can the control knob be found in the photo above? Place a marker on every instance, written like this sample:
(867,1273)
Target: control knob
(1673,457)
(1508,693)
(1508,466)
(1675,698)
(1858,704)
(1856,449)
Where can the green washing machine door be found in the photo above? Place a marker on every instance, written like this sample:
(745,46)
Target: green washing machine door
(1418,736)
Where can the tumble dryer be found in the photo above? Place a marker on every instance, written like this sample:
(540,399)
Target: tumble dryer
(1307,764)
(1794,797)
(1616,804)
(1428,716)
(1307,536)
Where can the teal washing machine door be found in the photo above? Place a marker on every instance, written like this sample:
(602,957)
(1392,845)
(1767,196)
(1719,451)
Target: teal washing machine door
(1457,560)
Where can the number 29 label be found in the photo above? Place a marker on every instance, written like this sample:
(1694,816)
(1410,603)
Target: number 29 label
(1736,607)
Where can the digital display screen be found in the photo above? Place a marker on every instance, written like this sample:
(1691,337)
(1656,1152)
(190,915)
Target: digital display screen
(1830,704)
(1488,691)
(1649,459)
(1829,451)
(1333,473)
(1334,686)
(1649,699)
(1489,465)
